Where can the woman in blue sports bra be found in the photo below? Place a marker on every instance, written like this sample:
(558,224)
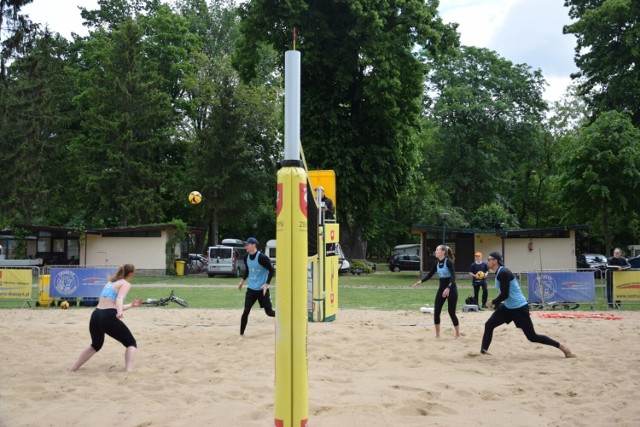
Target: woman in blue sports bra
(106,318)
(447,291)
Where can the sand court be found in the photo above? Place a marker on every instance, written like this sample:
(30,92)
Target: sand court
(367,368)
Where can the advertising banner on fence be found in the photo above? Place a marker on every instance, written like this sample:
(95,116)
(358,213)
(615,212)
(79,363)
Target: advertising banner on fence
(562,286)
(79,282)
(626,286)
(15,283)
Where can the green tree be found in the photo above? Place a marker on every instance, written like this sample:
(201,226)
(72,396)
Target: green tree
(361,90)
(123,153)
(568,114)
(234,150)
(422,201)
(33,130)
(599,178)
(233,128)
(564,122)
(531,197)
(111,12)
(14,36)
(215,21)
(14,30)
(607,37)
(171,47)
(489,113)
(493,217)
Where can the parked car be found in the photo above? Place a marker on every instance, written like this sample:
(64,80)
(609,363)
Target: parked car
(597,262)
(226,258)
(404,262)
(197,264)
(270,251)
(634,261)
(343,263)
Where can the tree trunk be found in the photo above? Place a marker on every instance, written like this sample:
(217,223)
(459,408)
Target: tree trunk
(214,225)
(213,228)
(608,238)
(352,242)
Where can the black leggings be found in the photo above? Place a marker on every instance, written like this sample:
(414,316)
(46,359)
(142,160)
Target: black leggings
(521,318)
(476,291)
(104,321)
(452,301)
(249,300)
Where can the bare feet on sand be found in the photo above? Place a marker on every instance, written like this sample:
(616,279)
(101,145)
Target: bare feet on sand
(566,351)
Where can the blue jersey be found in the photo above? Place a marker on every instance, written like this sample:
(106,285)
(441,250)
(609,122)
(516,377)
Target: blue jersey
(443,272)
(446,271)
(258,275)
(516,298)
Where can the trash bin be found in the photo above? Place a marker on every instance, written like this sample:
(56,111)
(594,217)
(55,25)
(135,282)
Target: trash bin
(180,267)
(43,292)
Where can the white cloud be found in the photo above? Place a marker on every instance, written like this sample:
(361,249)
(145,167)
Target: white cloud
(62,16)
(521,31)
(532,33)
(557,87)
(477,19)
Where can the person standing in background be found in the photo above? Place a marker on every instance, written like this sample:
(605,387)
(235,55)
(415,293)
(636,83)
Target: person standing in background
(326,204)
(479,280)
(616,263)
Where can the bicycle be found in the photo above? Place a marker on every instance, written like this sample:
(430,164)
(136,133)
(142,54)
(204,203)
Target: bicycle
(152,302)
(196,264)
(554,305)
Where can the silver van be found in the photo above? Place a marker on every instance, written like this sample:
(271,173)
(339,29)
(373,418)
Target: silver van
(270,251)
(226,258)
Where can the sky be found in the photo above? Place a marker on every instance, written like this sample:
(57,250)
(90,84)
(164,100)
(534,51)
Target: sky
(522,31)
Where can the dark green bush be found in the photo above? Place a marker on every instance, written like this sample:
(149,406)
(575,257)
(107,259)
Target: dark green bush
(359,267)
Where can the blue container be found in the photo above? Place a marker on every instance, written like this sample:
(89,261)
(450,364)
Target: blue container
(89,301)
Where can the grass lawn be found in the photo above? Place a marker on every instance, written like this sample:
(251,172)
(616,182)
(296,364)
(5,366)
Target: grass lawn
(382,290)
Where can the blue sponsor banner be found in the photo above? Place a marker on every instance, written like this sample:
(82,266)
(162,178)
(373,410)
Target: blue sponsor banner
(562,287)
(79,282)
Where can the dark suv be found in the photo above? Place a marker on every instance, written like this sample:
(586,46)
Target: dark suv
(597,262)
(634,261)
(401,262)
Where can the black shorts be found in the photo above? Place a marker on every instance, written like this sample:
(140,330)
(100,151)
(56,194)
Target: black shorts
(263,299)
(519,316)
(104,321)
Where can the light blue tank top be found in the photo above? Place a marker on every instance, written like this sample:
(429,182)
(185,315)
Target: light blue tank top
(109,292)
(516,298)
(443,272)
(257,274)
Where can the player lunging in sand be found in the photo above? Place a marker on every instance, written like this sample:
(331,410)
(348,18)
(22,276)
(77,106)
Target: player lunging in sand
(513,308)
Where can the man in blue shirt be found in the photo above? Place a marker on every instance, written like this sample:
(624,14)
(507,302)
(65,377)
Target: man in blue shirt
(513,307)
(259,273)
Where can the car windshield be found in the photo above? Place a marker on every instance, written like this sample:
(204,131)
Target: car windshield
(220,253)
(596,258)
